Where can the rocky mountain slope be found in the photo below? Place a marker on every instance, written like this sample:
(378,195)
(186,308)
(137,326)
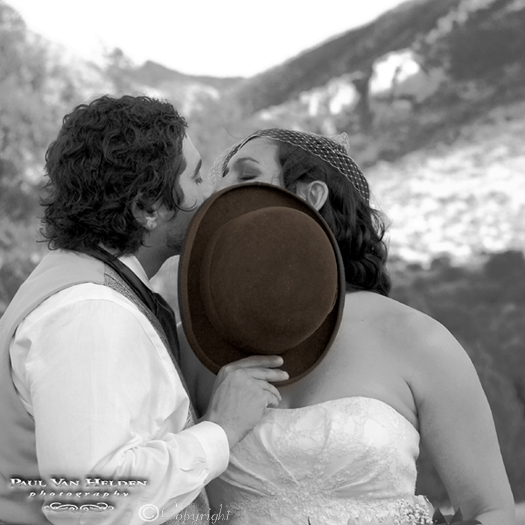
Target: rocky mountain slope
(353,53)
(458,200)
(431,94)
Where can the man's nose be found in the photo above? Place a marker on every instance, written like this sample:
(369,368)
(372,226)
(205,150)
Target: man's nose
(208,187)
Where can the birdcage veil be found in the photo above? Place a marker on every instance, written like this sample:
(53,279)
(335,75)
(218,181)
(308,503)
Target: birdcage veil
(333,150)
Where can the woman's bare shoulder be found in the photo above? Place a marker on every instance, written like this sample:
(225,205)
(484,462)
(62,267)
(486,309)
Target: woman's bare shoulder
(388,315)
(402,330)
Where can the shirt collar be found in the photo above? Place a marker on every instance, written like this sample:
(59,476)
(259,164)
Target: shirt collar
(134,265)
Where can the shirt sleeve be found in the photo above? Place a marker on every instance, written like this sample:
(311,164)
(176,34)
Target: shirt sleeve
(110,414)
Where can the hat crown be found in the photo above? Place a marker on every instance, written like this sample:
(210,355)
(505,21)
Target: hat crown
(269,278)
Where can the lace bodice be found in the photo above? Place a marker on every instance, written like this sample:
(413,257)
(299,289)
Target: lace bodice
(348,461)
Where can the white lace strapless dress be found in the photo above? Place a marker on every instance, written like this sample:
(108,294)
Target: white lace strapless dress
(349,461)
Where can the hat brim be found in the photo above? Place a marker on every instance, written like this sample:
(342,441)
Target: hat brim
(213,350)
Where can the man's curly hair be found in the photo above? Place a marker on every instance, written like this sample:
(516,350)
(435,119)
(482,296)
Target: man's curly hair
(110,154)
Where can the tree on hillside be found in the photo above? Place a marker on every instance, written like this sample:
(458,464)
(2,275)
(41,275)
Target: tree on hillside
(361,81)
(117,68)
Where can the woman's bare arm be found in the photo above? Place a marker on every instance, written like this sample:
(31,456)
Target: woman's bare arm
(457,427)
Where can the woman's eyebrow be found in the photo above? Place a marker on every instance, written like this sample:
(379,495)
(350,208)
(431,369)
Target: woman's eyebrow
(242,160)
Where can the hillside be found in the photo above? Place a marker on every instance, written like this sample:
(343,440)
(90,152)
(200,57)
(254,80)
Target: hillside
(470,39)
(152,74)
(458,200)
(431,94)
(353,52)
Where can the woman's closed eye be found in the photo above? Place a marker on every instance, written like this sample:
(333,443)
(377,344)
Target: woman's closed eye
(248,174)
(248,168)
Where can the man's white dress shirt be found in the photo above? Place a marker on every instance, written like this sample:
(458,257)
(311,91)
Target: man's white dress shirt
(108,403)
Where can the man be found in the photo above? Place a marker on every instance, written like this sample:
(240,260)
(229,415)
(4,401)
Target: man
(96,423)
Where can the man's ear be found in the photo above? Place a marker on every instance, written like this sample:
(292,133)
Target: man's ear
(314,193)
(147,218)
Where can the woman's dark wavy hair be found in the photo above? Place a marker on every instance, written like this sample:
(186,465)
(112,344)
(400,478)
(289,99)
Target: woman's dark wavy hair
(358,228)
(109,154)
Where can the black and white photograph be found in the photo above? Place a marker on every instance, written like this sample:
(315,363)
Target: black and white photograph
(262,263)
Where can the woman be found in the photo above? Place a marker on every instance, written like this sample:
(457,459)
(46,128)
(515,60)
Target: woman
(342,445)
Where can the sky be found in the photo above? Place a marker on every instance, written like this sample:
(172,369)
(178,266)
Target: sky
(198,37)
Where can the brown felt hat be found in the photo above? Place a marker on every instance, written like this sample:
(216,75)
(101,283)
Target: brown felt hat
(260,273)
